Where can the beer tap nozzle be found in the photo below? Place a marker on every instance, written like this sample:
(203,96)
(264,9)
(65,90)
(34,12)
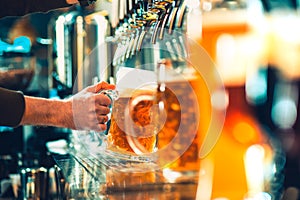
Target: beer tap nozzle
(160,12)
(149,22)
(168,6)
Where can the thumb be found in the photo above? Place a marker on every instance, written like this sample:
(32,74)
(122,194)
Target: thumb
(101,86)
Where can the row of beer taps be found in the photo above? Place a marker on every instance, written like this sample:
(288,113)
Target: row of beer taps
(145,22)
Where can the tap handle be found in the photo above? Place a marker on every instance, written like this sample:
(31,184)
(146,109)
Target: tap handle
(172,19)
(183,9)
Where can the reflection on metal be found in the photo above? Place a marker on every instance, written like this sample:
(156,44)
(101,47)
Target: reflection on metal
(75,36)
(80,48)
(86,178)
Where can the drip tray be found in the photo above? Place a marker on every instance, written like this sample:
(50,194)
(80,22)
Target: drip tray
(87,178)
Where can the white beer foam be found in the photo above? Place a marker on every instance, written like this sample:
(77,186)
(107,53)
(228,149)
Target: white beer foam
(131,79)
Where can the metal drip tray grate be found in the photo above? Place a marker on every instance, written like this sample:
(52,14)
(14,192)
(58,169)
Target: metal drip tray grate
(86,178)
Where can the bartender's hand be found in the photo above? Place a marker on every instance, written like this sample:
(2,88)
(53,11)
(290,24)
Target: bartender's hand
(72,1)
(86,110)
(77,2)
(90,108)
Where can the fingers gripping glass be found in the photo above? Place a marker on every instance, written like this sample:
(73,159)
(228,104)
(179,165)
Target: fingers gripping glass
(113,95)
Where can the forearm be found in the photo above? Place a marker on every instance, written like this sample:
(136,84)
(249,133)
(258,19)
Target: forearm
(48,112)
(86,110)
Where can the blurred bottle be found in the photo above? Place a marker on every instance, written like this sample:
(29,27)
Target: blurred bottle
(277,107)
(280,109)
(247,161)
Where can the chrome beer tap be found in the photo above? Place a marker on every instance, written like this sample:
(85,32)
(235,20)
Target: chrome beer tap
(148,22)
(181,12)
(169,7)
(160,11)
(172,20)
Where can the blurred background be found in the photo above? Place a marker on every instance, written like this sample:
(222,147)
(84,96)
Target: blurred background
(257,53)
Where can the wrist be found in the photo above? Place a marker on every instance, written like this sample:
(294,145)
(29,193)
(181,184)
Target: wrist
(68,119)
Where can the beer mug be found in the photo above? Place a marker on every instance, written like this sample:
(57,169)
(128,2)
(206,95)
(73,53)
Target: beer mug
(134,114)
(157,117)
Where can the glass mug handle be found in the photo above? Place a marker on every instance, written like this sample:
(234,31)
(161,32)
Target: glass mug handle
(101,137)
(113,95)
